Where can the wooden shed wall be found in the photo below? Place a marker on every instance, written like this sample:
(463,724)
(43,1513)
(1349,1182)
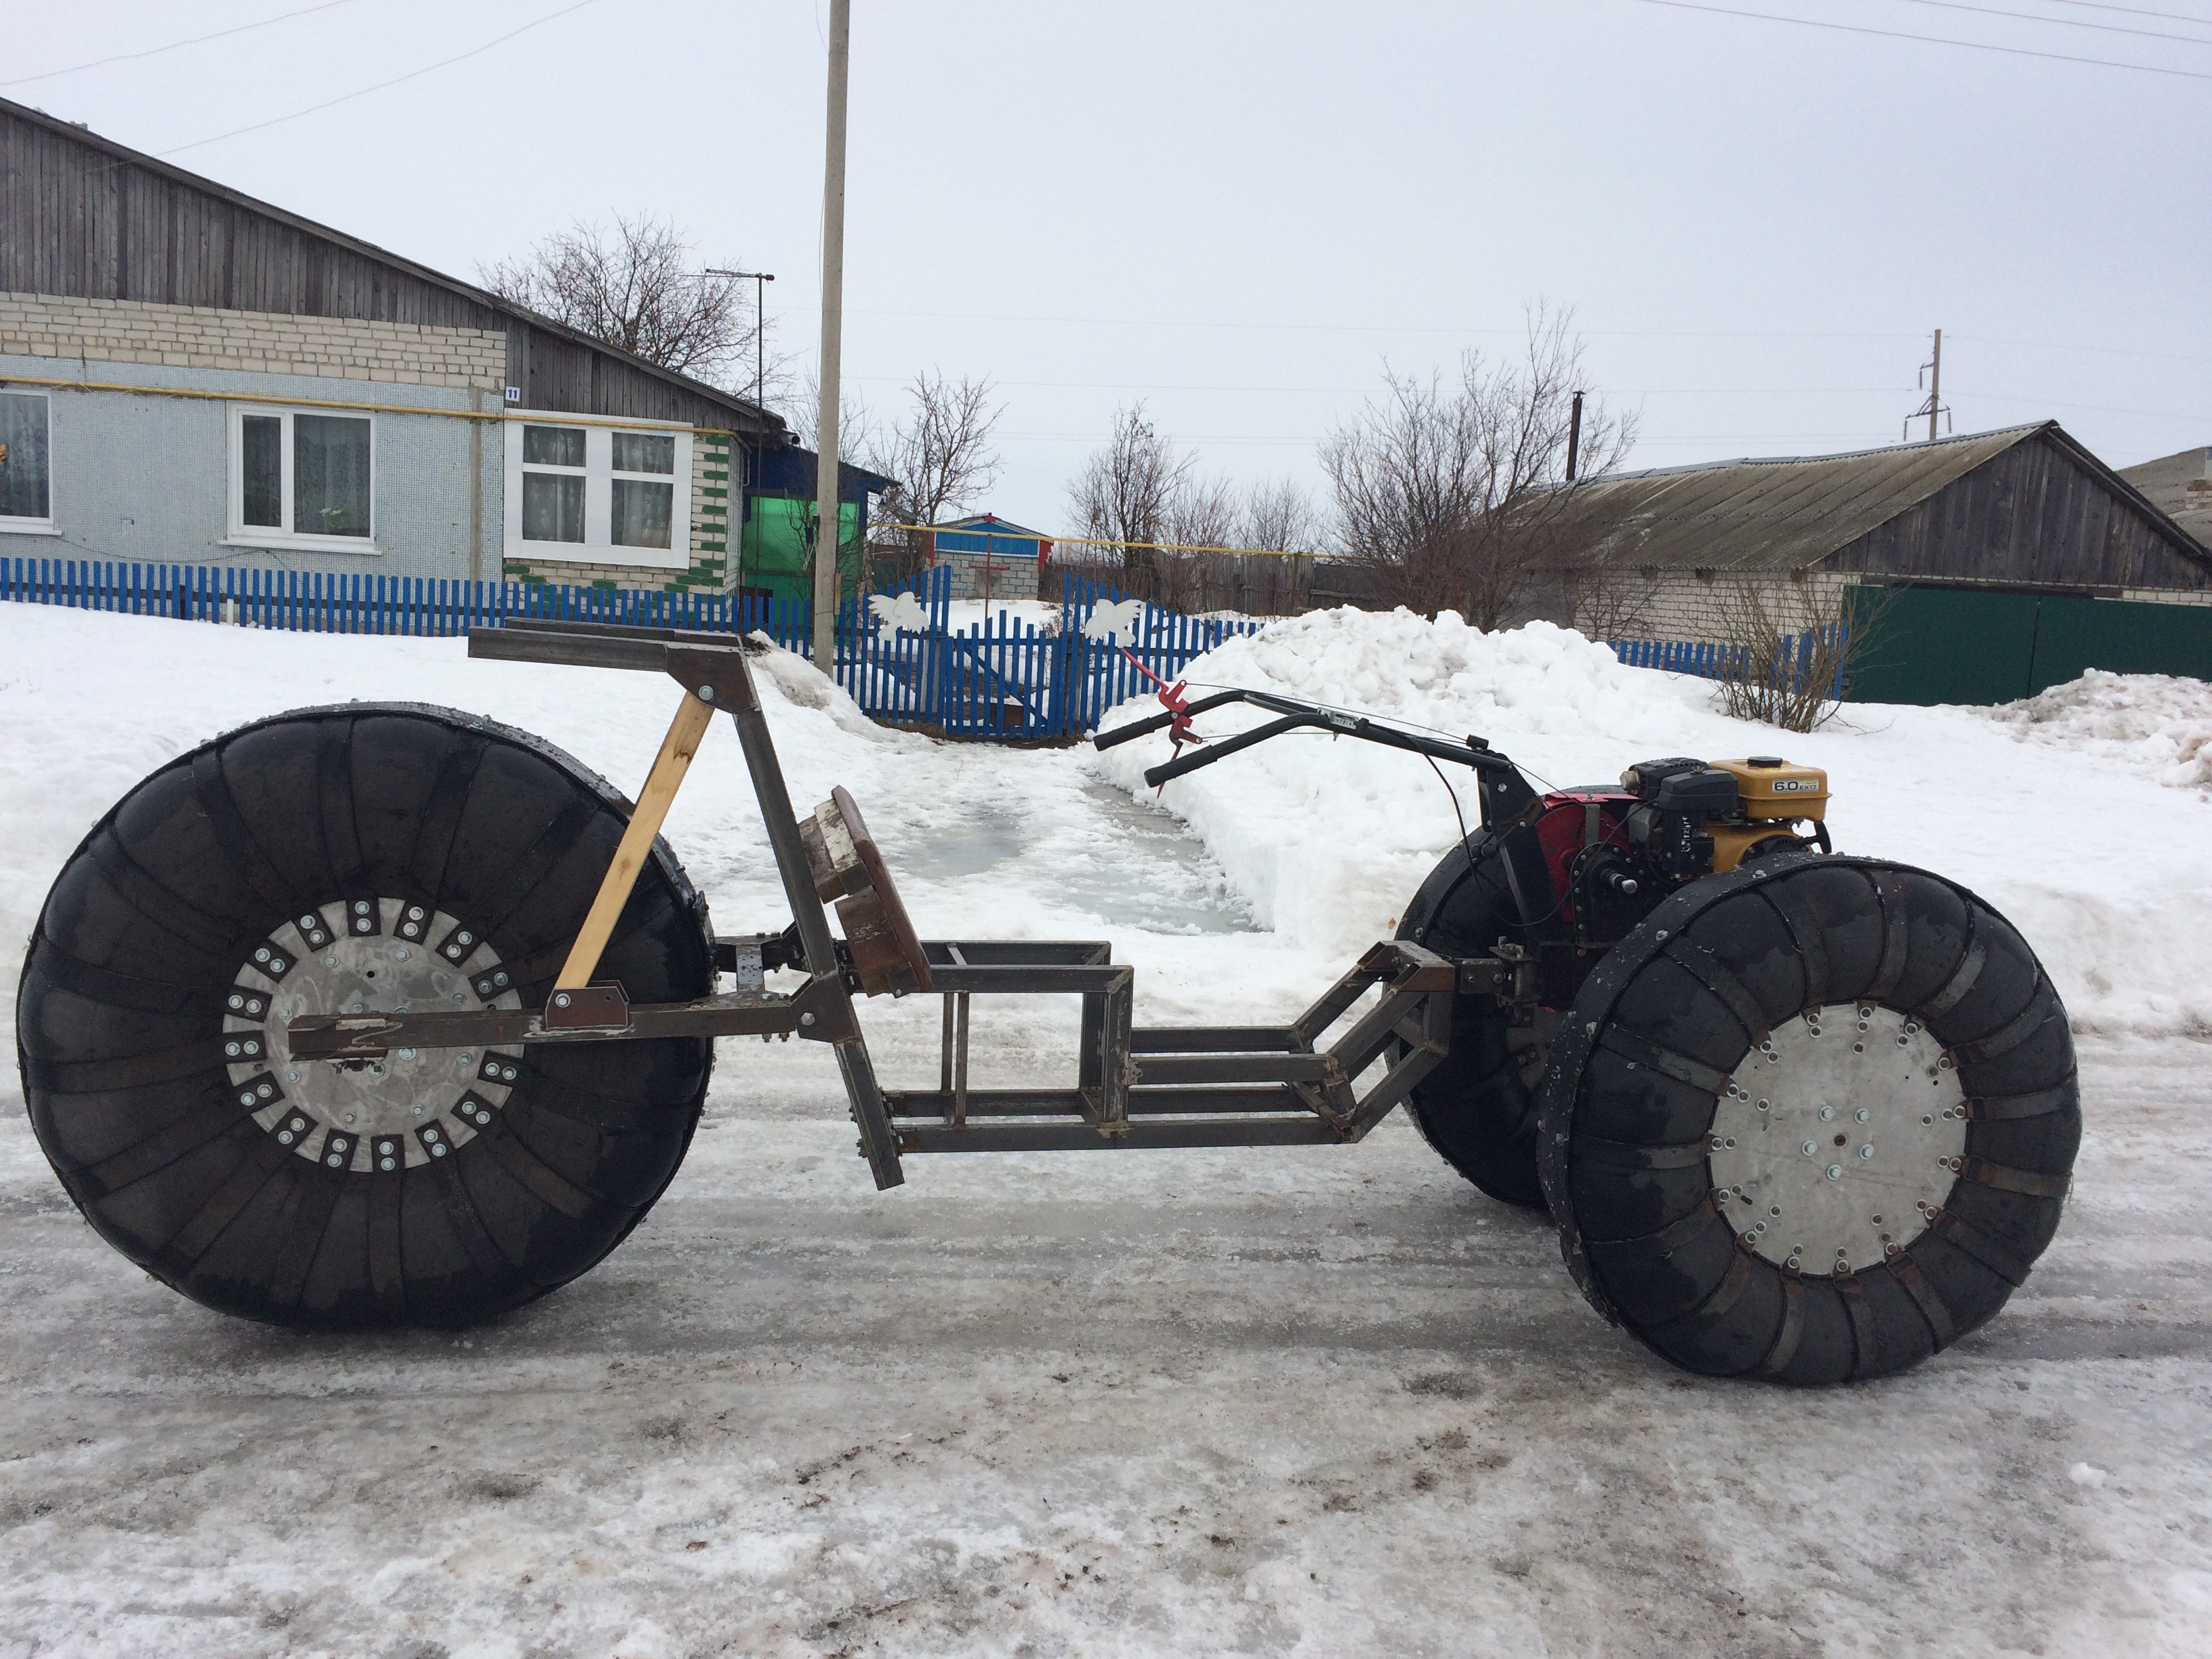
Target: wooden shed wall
(2031,515)
(78,222)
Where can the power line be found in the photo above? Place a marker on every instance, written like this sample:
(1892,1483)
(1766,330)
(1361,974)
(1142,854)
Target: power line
(1930,40)
(1368,328)
(413,74)
(2136,11)
(1614,391)
(196,39)
(2062,22)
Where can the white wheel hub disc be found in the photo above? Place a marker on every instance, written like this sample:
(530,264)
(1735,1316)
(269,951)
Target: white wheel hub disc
(1838,1138)
(360,957)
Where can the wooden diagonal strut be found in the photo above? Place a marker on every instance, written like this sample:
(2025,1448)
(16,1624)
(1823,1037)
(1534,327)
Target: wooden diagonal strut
(676,749)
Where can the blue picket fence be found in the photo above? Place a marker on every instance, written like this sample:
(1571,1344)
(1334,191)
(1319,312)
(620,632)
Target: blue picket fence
(1710,661)
(995,678)
(309,601)
(1000,678)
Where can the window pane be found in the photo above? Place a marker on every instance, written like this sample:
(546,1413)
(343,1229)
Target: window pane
(553,445)
(552,508)
(262,461)
(644,452)
(330,476)
(641,512)
(23,490)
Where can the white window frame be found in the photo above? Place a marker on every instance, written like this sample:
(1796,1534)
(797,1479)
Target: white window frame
(17,525)
(597,546)
(242,534)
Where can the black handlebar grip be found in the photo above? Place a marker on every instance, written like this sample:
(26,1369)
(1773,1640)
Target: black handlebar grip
(1121,734)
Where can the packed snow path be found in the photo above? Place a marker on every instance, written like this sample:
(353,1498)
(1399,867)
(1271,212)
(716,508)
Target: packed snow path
(1318,1400)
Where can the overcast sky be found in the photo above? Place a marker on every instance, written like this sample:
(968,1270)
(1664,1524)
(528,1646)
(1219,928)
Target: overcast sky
(1239,213)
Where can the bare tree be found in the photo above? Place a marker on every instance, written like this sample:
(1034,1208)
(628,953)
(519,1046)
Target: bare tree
(1126,491)
(1279,518)
(1451,493)
(941,456)
(638,287)
(858,437)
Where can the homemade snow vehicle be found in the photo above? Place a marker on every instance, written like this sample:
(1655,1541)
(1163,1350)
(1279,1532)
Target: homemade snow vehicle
(383,1014)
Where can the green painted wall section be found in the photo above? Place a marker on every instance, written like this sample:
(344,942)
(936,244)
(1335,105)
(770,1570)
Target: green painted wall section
(1931,645)
(774,547)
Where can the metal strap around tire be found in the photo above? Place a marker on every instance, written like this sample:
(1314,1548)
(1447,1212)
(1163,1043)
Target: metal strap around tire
(1891,967)
(2005,1109)
(1964,976)
(1672,1237)
(2015,1031)
(2005,1262)
(1812,948)
(1793,1327)
(1625,1155)
(1864,1348)
(2006,1179)
(1741,1270)
(1666,1061)
(1941,1325)
(1702,965)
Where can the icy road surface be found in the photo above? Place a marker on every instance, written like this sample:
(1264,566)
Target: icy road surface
(1314,1401)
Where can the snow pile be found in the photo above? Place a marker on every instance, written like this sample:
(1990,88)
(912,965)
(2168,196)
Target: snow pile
(2100,867)
(1326,839)
(2157,724)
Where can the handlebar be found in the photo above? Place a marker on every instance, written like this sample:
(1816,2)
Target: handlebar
(1504,795)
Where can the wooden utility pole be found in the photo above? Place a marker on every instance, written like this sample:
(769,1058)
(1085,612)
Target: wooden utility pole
(1932,371)
(1574,436)
(828,533)
(1934,385)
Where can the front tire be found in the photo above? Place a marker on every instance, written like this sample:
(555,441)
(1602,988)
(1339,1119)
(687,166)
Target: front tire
(1813,1119)
(369,856)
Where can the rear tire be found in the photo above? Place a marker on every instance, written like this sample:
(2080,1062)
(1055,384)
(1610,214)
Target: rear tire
(380,853)
(1478,1108)
(1708,1101)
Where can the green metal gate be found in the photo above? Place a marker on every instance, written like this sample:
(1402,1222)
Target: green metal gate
(1930,644)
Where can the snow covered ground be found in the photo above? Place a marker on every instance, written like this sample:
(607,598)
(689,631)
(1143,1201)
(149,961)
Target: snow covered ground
(1314,1401)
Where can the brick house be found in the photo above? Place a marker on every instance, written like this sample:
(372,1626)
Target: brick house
(191,376)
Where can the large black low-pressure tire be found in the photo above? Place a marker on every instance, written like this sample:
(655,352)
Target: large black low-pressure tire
(1478,1108)
(372,856)
(1813,1120)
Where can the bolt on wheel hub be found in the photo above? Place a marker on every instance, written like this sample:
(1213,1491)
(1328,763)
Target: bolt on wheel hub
(356,957)
(1838,1138)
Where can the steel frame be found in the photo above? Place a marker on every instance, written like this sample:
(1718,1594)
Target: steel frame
(1205,1085)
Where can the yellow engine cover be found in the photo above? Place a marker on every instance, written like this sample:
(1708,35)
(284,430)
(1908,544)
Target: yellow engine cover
(1774,789)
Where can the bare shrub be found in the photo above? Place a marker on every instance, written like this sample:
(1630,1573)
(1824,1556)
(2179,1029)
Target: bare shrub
(1612,603)
(1788,653)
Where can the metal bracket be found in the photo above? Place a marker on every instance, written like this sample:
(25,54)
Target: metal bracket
(602,1006)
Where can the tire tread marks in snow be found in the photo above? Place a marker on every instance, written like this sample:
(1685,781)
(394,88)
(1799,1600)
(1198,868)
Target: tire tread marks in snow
(121,1005)
(1630,1091)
